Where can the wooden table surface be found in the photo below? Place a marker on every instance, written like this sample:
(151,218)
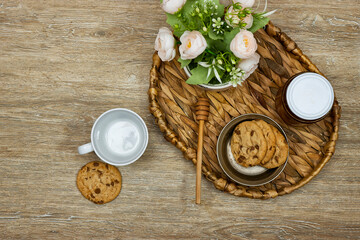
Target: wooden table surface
(63,63)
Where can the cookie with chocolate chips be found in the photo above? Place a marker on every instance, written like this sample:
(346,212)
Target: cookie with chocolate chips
(270,139)
(248,144)
(281,150)
(99,182)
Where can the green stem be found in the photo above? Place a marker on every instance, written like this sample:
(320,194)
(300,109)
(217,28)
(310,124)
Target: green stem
(209,51)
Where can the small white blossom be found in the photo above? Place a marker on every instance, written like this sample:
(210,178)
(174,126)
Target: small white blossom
(236,76)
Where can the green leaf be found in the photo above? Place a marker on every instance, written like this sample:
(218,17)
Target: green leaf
(259,22)
(220,72)
(183,62)
(215,44)
(188,8)
(214,36)
(200,57)
(198,76)
(176,23)
(220,9)
(229,36)
(192,22)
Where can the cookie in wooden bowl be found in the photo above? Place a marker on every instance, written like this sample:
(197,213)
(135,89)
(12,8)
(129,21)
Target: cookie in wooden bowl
(99,182)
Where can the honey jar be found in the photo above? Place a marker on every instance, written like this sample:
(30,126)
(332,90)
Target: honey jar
(304,99)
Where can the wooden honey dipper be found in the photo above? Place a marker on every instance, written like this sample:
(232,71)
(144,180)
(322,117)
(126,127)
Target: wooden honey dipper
(202,112)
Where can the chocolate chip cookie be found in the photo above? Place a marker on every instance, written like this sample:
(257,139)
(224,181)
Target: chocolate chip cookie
(248,144)
(99,182)
(270,139)
(281,150)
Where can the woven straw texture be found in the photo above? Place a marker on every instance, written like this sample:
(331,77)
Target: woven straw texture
(172,102)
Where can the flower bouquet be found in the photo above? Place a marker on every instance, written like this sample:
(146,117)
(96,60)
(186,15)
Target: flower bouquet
(216,42)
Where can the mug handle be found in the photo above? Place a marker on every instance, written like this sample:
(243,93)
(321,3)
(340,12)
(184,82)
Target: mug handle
(86,148)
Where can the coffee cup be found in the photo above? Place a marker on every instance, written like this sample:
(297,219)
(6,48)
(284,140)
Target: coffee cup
(118,137)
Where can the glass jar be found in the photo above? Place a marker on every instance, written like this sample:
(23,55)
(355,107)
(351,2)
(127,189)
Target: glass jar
(305,98)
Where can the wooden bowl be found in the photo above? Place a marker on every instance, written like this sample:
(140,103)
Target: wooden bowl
(248,176)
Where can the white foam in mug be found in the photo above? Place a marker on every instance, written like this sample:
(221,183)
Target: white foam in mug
(119,137)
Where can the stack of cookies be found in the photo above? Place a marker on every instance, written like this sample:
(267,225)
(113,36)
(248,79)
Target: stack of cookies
(258,143)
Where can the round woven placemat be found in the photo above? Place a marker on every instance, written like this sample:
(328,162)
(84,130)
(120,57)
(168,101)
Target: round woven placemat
(172,103)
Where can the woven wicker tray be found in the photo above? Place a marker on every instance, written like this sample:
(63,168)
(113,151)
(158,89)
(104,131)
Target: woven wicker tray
(172,103)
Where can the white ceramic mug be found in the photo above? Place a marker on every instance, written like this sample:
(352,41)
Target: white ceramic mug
(118,137)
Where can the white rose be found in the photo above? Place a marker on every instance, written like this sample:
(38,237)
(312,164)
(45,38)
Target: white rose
(172,6)
(245,3)
(233,19)
(244,44)
(249,65)
(165,44)
(192,44)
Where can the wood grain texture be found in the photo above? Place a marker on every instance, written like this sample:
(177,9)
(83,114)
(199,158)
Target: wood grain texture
(63,63)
